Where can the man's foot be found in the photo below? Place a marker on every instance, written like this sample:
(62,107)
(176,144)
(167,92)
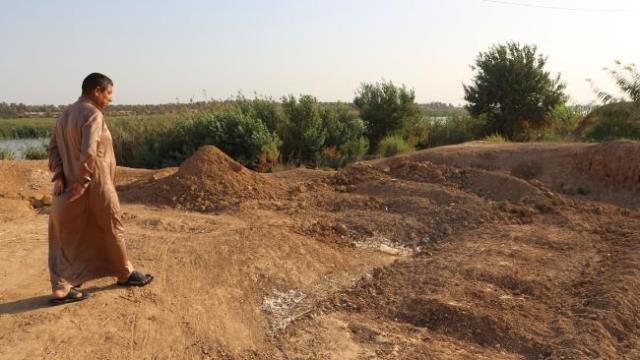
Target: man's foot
(72,296)
(136,278)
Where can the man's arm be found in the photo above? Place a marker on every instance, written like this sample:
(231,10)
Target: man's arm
(91,133)
(55,164)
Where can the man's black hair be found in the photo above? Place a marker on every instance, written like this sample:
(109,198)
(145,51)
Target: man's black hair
(95,80)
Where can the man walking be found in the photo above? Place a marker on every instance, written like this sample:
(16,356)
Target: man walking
(86,235)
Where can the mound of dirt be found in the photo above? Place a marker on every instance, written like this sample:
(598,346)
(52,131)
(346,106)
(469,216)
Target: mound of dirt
(208,180)
(615,163)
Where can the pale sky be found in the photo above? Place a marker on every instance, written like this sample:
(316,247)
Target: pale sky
(157,51)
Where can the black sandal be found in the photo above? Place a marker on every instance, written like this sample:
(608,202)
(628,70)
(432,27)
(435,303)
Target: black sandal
(137,279)
(72,296)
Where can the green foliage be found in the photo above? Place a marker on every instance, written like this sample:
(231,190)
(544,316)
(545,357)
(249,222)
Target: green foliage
(342,125)
(496,139)
(512,92)
(26,128)
(385,109)
(244,137)
(393,145)
(615,121)
(137,140)
(36,152)
(7,154)
(627,78)
(440,109)
(266,109)
(564,121)
(354,149)
(454,130)
(305,134)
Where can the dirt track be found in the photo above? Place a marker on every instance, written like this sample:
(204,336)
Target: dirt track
(465,252)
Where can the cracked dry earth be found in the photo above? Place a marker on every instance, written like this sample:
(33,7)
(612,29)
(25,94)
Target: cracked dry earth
(473,251)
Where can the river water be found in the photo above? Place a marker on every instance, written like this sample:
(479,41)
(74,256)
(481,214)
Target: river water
(19,145)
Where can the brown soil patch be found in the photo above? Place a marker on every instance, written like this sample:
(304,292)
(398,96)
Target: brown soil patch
(615,163)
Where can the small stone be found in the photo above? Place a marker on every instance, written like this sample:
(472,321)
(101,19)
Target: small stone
(341,229)
(388,250)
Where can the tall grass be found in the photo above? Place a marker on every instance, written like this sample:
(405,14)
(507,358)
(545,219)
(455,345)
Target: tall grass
(496,139)
(7,154)
(26,128)
(38,152)
(392,145)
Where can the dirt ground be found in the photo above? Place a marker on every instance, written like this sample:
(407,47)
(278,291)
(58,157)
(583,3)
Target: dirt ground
(473,251)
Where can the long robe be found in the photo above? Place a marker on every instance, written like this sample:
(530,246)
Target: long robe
(86,236)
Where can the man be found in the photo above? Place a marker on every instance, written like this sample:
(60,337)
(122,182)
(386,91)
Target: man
(86,236)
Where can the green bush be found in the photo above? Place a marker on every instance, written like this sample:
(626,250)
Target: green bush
(355,149)
(496,139)
(305,134)
(564,121)
(454,130)
(25,128)
(393,145)
(244,137)
(266,109)
(7,154)
(611,121)
(386,109)
(32,152)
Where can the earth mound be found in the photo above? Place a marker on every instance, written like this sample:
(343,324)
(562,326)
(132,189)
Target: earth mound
(208,180)
(614,163)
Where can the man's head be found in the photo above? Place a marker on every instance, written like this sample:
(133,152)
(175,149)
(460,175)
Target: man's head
(98,88)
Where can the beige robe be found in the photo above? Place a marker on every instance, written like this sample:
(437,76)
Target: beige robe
(86,236)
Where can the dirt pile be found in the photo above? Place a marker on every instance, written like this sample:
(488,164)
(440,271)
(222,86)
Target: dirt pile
(615,163)
(208,180)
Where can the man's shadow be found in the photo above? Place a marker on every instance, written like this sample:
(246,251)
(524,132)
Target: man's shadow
(40,302)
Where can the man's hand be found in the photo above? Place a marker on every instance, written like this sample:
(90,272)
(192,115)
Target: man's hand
(76,190)
(58,187)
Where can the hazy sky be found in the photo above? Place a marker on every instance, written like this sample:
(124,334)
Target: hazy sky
(157,51)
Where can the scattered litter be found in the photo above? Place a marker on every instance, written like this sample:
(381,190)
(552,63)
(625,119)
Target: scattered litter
(281,306)
(384,245)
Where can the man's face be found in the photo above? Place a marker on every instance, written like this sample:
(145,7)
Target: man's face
(102,97)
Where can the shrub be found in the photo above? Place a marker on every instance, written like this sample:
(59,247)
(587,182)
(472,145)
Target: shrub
(614,121)
(7,154)
(35,152)
(496,139)
(265,109)
(243,136)
(355,149)
(454,130)
(305,133)
(393,145)
(385,109)
(564,121)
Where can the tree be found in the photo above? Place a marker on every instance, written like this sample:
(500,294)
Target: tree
(385,108)
(627,78)
(305,133)
(512,92)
